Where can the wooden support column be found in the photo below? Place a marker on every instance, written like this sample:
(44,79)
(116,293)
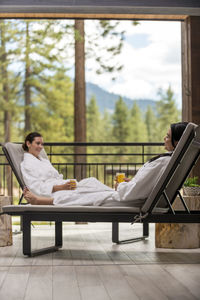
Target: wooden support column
(191,74)
(79,100)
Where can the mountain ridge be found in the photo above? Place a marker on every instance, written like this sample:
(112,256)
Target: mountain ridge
(106,100)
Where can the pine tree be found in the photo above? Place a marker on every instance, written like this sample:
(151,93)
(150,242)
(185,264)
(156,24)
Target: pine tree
(167,112)
(40,57)
(138,131)
(120,121)
(52,113)
(8,88)
(151,125)
(9,81)
(93,121)
(150,121)
(106,135)
(93,129)
(137,127)
(106,128)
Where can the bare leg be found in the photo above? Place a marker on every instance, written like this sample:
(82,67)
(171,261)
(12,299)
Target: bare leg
(37,200)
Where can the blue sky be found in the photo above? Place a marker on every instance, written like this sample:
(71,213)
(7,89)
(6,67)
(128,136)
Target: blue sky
(138,40)
(151,57)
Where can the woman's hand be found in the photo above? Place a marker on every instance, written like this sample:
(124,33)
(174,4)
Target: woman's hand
(63,187)
(126,179)
(116,185)
(67,186)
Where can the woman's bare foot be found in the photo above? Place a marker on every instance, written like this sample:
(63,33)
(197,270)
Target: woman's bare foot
(30,197)
(36,200)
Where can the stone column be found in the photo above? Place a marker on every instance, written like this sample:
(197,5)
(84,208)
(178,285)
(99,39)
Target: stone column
(180,236)
(5,223)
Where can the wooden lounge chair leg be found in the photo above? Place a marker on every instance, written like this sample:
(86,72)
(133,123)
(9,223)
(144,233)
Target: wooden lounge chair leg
(115,234)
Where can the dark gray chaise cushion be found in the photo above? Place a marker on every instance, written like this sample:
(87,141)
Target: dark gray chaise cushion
(91,209)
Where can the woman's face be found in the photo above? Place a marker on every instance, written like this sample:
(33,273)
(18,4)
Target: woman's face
(168,141)
(36,146)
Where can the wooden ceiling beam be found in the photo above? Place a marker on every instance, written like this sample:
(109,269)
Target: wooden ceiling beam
(92,16)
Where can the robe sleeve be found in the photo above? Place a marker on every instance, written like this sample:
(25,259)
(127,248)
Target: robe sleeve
(142,184)
(37,185)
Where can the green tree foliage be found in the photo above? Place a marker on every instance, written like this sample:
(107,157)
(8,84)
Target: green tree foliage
(120,125)
(167,112)
(9,81)
(106,135)
(138,131)
(106,128)
(151,126)
(52,112)
(137,127)
(120,122)
(93,129)
(99,129)
(93,121)
(104,44)
(150,121)
(40,56)
(38,87)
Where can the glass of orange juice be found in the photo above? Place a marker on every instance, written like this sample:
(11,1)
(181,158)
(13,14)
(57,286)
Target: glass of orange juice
(120,177)
(73,184)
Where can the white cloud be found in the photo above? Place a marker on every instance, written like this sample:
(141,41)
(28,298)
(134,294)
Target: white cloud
(146,69)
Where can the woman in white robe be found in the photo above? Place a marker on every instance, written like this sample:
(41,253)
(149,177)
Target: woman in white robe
(46,186)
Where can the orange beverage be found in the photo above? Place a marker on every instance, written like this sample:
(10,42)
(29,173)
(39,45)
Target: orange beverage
(120,177)
(73,184)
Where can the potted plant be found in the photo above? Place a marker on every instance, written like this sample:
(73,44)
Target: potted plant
(191,187)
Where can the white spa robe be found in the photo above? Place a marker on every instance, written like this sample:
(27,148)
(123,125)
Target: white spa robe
(140,187)
(40,177)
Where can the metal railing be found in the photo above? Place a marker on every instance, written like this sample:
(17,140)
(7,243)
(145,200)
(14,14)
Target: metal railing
(100,160)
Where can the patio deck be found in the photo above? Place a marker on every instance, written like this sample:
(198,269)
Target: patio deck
(89,266)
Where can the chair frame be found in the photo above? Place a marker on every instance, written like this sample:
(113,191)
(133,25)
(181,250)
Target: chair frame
(115,218)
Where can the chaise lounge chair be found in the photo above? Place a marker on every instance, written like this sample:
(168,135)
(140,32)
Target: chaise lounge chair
(156,209)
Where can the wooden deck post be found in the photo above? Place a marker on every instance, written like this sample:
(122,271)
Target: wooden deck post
(191,74)
(79,100)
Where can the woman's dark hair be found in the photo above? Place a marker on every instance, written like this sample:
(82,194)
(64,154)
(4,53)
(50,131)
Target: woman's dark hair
(30,138)
(177,130)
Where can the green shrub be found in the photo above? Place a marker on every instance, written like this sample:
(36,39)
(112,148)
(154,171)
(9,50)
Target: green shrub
(191,181)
